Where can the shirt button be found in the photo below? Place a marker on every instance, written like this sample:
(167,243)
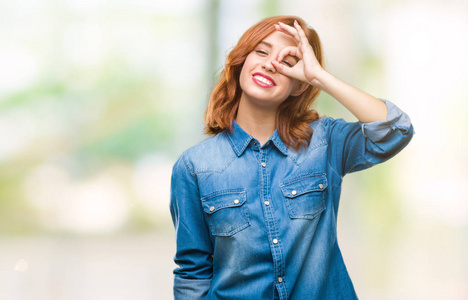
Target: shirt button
(275,241)
(294,192)
(280,279)
(254,143)
(263,164)
(267,203)
(211,208)
(236,201)
(321,186)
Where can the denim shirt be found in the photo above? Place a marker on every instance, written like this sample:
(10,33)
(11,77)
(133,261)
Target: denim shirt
(259,222)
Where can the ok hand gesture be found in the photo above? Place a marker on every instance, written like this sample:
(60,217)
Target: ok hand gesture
(308,67)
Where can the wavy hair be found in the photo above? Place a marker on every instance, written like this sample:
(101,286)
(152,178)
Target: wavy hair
(293,115)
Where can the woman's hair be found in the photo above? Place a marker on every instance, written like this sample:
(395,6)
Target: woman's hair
(294,114)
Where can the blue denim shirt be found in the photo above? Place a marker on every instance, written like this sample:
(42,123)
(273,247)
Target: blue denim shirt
(259,222)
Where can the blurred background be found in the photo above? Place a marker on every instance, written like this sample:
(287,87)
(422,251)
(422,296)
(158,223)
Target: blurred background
(99,98)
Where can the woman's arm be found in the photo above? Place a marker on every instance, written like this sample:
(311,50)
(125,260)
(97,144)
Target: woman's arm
(194,248)
(362,105)
(383,130)
(357,146)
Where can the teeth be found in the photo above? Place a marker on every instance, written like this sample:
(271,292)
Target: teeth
(263,79)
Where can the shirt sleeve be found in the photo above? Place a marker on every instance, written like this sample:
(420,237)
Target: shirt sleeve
(357,146)
(192,279)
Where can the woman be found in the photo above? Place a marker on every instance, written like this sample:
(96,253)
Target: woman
(255,205)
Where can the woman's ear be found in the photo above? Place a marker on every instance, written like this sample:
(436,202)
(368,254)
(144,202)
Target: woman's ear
(300,88)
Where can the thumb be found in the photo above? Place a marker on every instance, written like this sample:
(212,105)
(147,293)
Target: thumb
(282,69)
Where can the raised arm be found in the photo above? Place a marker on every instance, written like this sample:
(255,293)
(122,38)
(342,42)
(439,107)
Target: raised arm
(365,107)
(383,129)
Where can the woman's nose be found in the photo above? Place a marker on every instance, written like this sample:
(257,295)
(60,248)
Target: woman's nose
(268,66)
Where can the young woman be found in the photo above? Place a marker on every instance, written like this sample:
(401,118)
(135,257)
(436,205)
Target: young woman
(255,206)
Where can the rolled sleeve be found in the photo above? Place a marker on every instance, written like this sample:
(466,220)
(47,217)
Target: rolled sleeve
(191,289)
(358,146)
(396,120)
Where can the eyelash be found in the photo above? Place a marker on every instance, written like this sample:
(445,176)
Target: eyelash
(264,53)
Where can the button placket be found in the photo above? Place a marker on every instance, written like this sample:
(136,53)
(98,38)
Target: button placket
(268,209)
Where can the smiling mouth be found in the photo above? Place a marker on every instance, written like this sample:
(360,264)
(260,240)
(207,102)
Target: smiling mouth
(263,80)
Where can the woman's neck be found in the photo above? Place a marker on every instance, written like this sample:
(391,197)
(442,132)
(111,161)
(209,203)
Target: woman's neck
(258,122)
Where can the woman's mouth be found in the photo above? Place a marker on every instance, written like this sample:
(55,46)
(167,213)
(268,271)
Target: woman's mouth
(263,80)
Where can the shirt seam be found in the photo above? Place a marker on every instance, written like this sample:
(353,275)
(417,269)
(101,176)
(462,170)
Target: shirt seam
(186,164)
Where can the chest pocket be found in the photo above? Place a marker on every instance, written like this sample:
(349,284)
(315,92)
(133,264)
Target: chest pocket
(226,212)
(305,196)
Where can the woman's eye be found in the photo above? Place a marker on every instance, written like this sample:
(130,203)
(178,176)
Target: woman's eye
(261,52)
(287,63)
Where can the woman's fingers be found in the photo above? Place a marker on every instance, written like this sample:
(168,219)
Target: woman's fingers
(297,32)
(290,50)
(307,65)
(283,69)
(302,36)
(289,30)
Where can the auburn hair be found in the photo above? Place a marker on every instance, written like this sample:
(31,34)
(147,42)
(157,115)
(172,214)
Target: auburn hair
(294,114)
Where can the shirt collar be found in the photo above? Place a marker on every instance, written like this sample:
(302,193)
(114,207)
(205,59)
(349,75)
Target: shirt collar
(240,139)
(279,143)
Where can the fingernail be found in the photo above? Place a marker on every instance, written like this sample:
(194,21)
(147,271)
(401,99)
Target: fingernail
(295,22)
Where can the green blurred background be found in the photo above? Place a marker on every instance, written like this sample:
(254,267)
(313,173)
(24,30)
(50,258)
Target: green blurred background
(99,98)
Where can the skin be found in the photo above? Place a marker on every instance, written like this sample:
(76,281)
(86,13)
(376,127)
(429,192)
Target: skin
(257,113)
(258,105)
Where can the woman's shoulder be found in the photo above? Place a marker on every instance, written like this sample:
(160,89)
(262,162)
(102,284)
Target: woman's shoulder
(325,129)
(322,125)
(208,153)
(208,146)
(327,121)
(327,124)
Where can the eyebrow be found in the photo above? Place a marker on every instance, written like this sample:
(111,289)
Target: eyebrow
(269,45)
(266,43)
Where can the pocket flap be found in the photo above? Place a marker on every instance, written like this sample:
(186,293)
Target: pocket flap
(219,200)
(304,184)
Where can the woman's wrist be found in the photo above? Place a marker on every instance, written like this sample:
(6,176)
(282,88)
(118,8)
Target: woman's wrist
(320,79)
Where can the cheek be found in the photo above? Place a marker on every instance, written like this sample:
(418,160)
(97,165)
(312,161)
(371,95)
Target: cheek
(245,72)
(247,64)
(290,84)
(243,77)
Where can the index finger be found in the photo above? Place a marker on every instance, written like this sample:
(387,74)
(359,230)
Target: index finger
(289,30)
(301,33)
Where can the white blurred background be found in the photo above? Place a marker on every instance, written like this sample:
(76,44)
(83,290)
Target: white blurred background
(99,98)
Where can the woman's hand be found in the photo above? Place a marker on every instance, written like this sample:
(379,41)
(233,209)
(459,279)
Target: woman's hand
(365,107)
(307,68)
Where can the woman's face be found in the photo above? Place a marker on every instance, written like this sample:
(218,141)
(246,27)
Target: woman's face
(261,83)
